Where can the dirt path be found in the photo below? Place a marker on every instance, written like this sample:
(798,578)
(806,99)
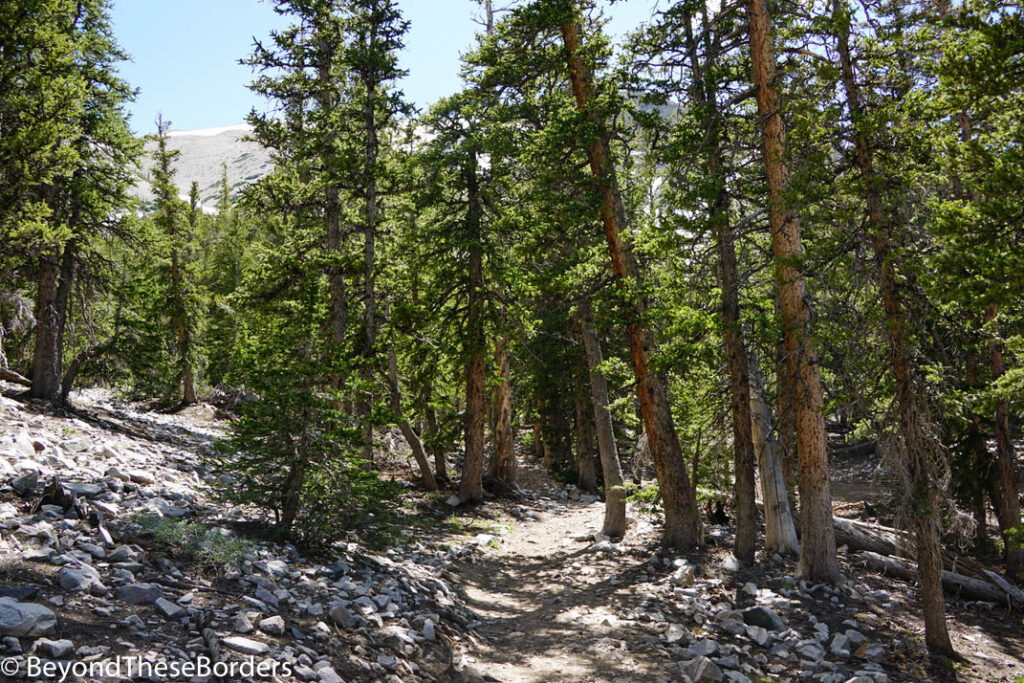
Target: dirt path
(550,608)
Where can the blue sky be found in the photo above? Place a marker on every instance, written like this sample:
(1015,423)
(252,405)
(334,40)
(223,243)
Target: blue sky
(185,53)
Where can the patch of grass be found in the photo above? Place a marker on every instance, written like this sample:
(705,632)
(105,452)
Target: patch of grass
(210,549)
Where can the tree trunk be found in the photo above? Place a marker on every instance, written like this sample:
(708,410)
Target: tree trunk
(1006,490)
(365,404)
(705,93)
(291,499)
(779,529)
(586,463)
(411,437)
(440,466)
(471,486)
(611,469)
(981,476)
(46,362)
(503,465)
(736,361)
(682,523)
(817,544)
(925,495)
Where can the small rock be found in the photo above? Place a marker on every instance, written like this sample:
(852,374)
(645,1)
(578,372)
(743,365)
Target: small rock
(840,645)
(141,477)
(273,626)
(170,609)
(53,649)
(242,623)
(121,553)
(454,501)
(329,675)
(758,634)
(246,646)
(703,648)
(343,617)
(702,670)
(81,578)
(115,473)
(139,593)
(26,482)
(763,617)
(674,633)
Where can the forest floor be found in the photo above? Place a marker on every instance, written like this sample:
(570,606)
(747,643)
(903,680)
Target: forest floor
(515,590)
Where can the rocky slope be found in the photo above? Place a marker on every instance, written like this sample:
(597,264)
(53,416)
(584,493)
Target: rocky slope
(202,156)
(128,555)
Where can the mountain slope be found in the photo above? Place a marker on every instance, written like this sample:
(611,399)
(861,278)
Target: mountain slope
(203,154)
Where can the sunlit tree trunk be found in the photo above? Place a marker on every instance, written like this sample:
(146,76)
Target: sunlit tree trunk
(779,529)
(503,464)
(682,522)
(817,543)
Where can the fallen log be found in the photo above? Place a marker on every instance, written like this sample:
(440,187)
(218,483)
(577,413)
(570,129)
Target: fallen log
(9,375)
(860,536)
(854,450)
(952,583)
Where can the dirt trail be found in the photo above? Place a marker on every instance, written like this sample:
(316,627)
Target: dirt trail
(550,609)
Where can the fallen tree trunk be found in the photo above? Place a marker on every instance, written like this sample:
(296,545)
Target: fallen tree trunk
(952,582)
(12,376)
(854,450)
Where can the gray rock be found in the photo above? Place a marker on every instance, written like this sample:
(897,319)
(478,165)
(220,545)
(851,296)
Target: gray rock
(266,597)
(53,649)
(81,578)
(139,593)
(703,648)
(674,633)
(428,630)
(122,553)
(38,555)
(763,617)
(141,477)
(242,623)
(26,482)
(840,645)
(454,501)
(273,626)
(329,675)
(343,617)
(25,619)
(758,634)
(731,564)
(246,646)
(86,489)
(856,637)
(811,650)
(169,609)
(135,621)
(702,670)
(116,473)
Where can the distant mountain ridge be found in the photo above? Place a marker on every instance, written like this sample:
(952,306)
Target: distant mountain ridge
(202,155)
